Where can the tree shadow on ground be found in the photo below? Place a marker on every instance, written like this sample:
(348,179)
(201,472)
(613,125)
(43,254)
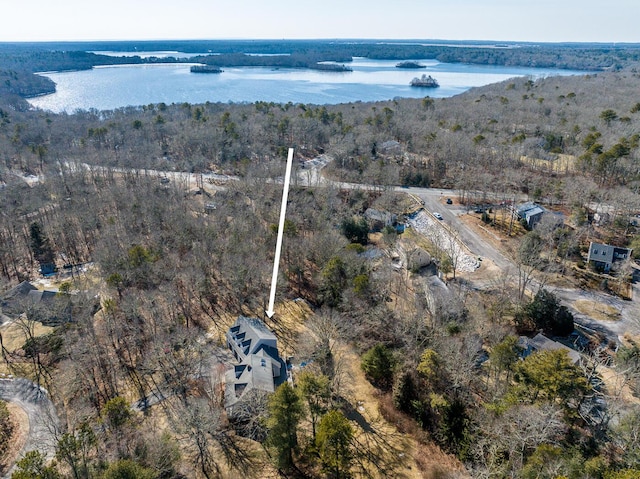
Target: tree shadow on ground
(378,450)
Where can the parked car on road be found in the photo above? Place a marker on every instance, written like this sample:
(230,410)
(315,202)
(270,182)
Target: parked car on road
(437,215)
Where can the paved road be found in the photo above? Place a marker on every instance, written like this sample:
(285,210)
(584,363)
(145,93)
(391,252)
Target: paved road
(432,198)
(43,421)
(629,310)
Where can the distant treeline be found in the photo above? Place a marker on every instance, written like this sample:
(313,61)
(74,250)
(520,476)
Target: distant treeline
(585,56)
(311,60)
(19,60)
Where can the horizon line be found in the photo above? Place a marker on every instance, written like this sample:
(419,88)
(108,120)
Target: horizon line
(328,39)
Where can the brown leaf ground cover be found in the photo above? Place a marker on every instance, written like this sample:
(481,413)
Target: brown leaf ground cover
(19,438)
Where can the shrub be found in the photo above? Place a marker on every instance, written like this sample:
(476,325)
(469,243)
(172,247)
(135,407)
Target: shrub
(378,364)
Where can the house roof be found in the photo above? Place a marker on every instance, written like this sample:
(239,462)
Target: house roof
(38,296)
(260,366)
(390,146)
(524,207)
(600,252)
(21,289)
(606,253)
(529,209)
(56,306)
(541,343)
(377,215)
(249,335)
(533,212)
(13,300)
(257,372)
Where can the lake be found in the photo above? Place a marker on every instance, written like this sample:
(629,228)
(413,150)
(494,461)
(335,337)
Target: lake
(107,88)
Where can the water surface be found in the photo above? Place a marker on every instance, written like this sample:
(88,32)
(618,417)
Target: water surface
(106,88)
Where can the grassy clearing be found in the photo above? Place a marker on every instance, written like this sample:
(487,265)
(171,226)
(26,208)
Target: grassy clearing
(389,451)
(562,164)
(419,240)
(13,337)
(596,310)
(617,385)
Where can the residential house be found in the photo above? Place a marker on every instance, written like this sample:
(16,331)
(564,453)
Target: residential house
(15,300)
(377,219)
(604,255)
(530,213)
(52,307)
(541,343)
(412,257)
(15,293)
(439,298)
(259,367)
(391,147)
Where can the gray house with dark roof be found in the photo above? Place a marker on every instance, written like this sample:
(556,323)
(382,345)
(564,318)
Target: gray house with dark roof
(604,255)
(259,367)
(55,306)
(530,213)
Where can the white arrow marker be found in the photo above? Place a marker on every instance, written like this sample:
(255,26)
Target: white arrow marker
(283,211)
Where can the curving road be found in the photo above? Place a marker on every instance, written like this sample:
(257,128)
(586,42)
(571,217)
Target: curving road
(629,321)
(432,200)
(43,421)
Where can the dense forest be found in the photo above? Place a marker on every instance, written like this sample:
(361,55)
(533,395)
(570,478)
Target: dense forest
(157,256)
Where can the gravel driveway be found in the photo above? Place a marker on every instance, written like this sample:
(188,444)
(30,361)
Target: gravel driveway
(43,421)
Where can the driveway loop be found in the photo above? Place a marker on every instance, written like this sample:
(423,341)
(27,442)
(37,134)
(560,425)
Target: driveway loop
(43,420)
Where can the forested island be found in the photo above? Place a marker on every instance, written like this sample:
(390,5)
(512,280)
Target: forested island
(205,69)
(430,327)
(425,81)
(410,65)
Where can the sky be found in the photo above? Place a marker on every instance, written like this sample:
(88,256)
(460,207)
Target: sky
(496,20)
